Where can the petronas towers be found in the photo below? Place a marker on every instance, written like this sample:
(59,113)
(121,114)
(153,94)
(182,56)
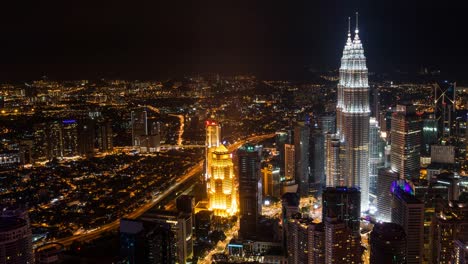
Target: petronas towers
(353,114)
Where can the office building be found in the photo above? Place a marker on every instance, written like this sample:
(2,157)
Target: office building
(445,107)
(40,142)
(55,140)
(387,244)
(181,225)
(429,134)
(385,179)
(86,138)
(449,224)
(289,162)
(342,203)
(271,181)
(376,155)
(316,162)
(406,142)
(105,136)
(69,138)
(220,185)
(250,191)
(139,125)
(460,252)
(147,242)
(306,241)
(443,154)
(341,245)
(212,141)
(301,154)
(333,173)
(408,212)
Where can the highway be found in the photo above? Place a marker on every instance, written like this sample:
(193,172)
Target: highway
(90,235)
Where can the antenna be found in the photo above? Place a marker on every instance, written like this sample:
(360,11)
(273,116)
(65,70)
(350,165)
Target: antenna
(349,26)
(357,21)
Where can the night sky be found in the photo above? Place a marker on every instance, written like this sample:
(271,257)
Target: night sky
(159,39)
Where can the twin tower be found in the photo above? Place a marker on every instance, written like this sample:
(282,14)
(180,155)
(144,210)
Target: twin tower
(352,116)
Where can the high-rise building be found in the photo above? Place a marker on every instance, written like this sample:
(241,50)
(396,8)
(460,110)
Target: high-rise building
(282,138)
(443,154)
(385,179)
(375,108)
(306,241)
(181,225)
(289,162)
(429,134)
(147,242)
(376,155)
(316,161)
(40,142)
(139,125)
(333,173)
(449,223)
(327,123)
(185,204)
(15,241)
(213,133)
(105,136)
(406,142)
(387,244)
(213,139)
(408,212)
(221,184)
(271,181)
(86,137)
(353,114)
(55,140)
(341,245)
(69,138)
(343,203)
(301,151)
(250,191)
(460,252)
(445,107)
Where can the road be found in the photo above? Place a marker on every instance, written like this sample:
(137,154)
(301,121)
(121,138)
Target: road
(195,170)
(181,129)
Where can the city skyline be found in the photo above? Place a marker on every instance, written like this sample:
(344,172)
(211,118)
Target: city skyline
(240,142)
(161,40)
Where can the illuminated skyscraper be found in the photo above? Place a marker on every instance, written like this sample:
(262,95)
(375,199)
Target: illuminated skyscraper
(333,170)
(139,125)
(353,114)
(70,138)
(221,181)
(250,190)
(213,133)
(376,154)
(86,137)
(408,212)
(301,147)
(406,142)
(289,158)
(445,110)
(105,136)
(213,137)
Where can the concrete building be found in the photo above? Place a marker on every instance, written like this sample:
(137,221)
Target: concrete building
(387,244)
(408,212)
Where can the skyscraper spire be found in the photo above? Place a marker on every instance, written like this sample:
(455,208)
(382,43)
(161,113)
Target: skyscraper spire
(349,26)
(356,31)
(357,23)
(349,41)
